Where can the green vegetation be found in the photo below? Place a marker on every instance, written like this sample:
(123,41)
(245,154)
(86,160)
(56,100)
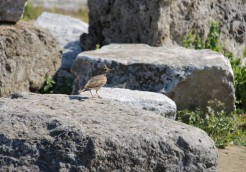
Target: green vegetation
(48,85)
(97,46)
(240,82)
(223,128)
(193,40)
(32,13)
(82,14)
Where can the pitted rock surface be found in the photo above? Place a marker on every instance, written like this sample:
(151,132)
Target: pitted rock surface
(11,10)
(165,22)
(60,133)
(27,55)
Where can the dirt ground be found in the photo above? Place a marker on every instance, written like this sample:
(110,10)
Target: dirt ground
(232,159)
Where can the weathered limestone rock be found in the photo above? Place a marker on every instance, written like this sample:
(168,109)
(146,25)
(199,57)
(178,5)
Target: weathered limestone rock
(165,22)
(27,55)
(158,103)
(189,77)
(59,133)
(11,10)
(67,31)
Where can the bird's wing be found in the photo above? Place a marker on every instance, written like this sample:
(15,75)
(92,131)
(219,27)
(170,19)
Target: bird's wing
(96,81)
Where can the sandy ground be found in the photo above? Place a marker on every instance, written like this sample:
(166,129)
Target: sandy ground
(232,159)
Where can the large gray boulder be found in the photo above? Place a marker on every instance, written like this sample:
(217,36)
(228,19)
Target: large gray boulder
(11,10)
(67,31)
(27,55)
(158,23)
(189,77)
(60,133)
(155,102)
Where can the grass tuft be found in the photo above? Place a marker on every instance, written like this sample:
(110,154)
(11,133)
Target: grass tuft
(223,128)
(32,13)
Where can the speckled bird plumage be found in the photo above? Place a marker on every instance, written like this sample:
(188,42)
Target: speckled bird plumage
(96,82)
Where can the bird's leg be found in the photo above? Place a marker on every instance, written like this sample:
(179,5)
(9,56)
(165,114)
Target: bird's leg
(91,94)
(98,94)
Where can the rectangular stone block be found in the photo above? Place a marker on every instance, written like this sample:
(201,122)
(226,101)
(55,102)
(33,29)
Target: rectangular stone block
(189,77)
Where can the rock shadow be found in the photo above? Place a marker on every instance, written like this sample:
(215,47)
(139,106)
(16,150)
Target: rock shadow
(78,97)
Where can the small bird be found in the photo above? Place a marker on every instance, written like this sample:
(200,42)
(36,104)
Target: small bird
(96,82)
